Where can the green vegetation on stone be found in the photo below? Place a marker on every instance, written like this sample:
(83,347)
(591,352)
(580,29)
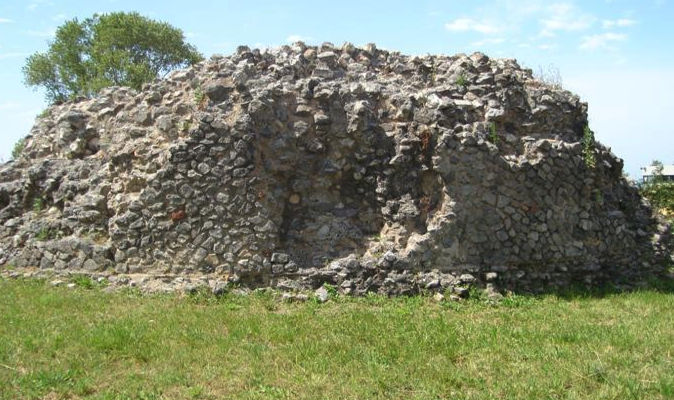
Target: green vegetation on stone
(493,135)
(199,96)
(43,234)
(660,195)
(18,148)
(83,343)
(185,126)
(659,192)
(38,204)
(86,282)
(116,49)
(588,142)
(45,113)
(461,80)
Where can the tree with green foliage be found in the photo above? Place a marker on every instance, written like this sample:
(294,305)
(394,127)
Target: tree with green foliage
(658,167)
(659,191)
(116,49)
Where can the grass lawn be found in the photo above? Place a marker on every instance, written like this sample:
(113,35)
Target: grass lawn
(84,343)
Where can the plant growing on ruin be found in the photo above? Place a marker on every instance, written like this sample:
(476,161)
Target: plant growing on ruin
(493,135)
(461,80)
(116,49)
(659,192)
(199,96)
(332,290)
(43,234)
(18,148)
(377,253)
(588,147)
(598,196)
(661,196)
(38,204)
(433,73)
(550,76)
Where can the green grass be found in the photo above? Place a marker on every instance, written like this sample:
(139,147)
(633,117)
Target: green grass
(83,343)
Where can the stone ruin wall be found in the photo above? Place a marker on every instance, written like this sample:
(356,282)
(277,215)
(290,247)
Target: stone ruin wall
(366,169)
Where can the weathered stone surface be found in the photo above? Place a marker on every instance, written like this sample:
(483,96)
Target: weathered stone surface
(217,91)
(362,168)
(322,294)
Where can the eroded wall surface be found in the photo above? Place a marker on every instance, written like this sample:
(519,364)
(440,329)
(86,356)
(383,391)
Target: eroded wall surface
(367,169)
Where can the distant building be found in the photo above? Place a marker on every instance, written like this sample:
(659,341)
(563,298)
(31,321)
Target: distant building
(647,173)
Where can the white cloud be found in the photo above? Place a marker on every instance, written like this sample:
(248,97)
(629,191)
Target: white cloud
(513,17)
(298,38)
(547,33)
(5,21)
(59,17)
(602,40)
(564,17)
(620,23)
(468,24)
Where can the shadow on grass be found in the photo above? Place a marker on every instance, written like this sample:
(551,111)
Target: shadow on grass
(662,284)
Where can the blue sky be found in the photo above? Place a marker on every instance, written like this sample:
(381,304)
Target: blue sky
(617,55)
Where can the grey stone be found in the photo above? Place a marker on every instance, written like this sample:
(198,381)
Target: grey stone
(204,168)
(164,123)
(280,258)
(217,92)
(322,294)
(219,288)
(490,276)
(467,278)
(492,293)
(90,265)
(462,292)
